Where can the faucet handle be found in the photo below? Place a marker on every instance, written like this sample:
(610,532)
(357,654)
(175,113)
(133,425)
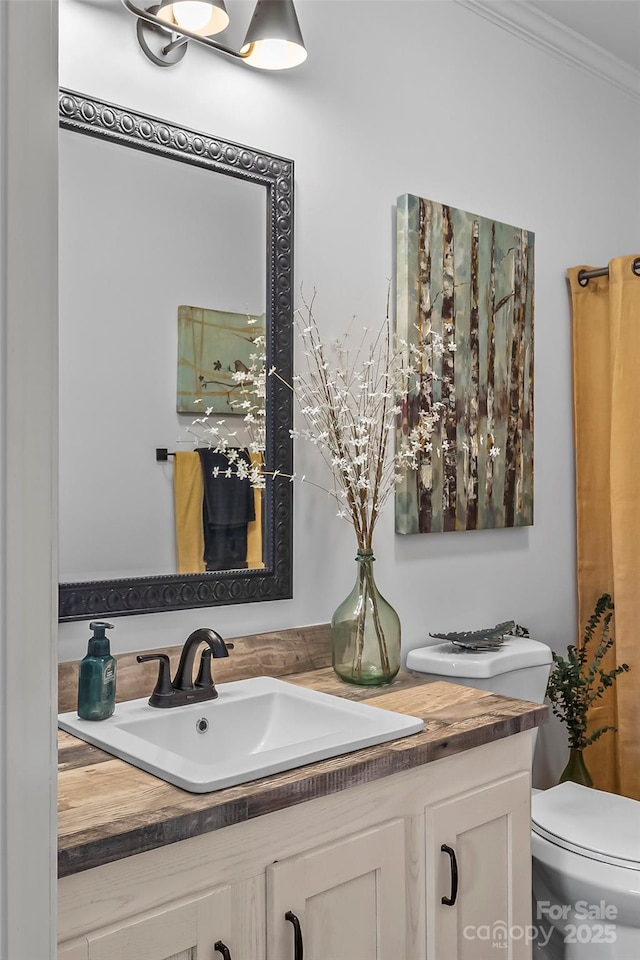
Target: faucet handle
(204,678)
(162,695)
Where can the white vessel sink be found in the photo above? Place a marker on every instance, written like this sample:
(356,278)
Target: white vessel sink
(256,727)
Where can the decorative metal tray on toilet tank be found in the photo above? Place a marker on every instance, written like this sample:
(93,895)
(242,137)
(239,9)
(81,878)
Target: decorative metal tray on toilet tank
(488,638)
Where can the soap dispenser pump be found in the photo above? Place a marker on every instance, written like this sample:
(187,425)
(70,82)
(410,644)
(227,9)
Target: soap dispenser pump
(97,679)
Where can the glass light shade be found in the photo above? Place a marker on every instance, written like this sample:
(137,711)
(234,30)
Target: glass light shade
(274,40)
(204,17)
(274,54)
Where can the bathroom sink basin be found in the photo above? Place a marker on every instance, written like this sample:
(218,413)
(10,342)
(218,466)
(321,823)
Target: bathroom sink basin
(256,727)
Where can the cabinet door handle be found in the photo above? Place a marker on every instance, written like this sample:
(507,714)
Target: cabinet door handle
(222,948)
(449,901)
(298,948)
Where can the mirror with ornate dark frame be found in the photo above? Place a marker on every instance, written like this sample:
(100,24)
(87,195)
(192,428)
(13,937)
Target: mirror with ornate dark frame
(88,595)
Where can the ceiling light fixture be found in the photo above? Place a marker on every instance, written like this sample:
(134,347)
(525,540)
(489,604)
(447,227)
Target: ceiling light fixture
(273,40)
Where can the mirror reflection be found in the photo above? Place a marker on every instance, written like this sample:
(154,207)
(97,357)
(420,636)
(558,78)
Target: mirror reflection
(162,301)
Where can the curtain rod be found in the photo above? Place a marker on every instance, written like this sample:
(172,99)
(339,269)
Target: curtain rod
(585,275)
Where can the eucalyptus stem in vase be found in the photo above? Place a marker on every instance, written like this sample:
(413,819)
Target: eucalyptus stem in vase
(576,682)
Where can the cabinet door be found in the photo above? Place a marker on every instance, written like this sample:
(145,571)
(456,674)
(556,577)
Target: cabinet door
(227,923)
(349,898)
(488,834)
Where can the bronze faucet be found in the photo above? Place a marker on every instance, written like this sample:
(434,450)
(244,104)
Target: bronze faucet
(182,690)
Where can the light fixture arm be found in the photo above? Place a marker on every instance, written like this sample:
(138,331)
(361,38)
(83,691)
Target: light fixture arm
(174,44)
(151,18)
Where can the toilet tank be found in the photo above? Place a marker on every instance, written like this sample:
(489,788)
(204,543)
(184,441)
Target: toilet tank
(519,668)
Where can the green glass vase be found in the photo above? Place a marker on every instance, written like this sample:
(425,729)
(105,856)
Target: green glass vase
(576,769)
(365,632)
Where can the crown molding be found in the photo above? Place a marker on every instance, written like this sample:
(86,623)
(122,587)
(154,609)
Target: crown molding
(544,32)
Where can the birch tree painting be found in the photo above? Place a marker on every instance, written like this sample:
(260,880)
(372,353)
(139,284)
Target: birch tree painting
(465,285)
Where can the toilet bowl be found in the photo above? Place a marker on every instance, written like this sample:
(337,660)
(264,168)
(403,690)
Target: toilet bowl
(585,843)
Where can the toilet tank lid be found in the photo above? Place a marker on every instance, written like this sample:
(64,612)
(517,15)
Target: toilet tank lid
(447,660)
(595,824)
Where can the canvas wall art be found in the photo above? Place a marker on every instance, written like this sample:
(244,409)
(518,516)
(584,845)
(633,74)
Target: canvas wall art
(212,346)
(465,287)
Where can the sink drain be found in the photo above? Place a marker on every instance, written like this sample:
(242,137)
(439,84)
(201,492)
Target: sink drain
(202,725)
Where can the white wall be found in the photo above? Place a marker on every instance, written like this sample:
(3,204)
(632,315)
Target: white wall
(397,97)
(28,489)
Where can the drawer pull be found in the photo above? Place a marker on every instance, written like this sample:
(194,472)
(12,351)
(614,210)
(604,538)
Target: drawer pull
(222,948)
(449,901)
(298,948)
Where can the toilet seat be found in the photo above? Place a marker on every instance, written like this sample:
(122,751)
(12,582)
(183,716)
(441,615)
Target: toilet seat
(594,824)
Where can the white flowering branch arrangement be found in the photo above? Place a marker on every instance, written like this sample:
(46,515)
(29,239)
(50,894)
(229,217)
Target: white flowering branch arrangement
(353,398)
(355,395)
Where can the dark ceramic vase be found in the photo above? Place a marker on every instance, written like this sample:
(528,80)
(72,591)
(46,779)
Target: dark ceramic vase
(576,769)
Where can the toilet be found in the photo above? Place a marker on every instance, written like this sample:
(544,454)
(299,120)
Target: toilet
(585,843)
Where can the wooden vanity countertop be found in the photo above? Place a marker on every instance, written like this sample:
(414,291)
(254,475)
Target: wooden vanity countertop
(109,809)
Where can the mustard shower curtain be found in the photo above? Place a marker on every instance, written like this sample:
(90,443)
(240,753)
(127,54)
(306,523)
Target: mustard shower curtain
(606,369)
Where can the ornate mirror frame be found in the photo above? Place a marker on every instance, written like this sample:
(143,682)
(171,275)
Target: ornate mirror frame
(153,594)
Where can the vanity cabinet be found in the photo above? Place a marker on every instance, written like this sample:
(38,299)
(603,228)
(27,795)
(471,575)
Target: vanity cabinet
(478,872)
(202,928)
(182,932)
(343,901)
(362,871)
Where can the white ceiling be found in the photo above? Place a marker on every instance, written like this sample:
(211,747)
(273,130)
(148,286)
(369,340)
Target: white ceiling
(613,25)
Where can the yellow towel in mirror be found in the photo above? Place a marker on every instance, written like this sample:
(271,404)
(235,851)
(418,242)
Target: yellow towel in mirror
(188,493)
(254,531)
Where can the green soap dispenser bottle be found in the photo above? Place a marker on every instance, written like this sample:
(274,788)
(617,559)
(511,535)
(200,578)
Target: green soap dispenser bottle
(97,680)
